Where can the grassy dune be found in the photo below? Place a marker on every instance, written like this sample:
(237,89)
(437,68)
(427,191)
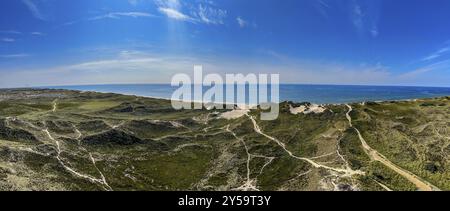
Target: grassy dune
(115,142)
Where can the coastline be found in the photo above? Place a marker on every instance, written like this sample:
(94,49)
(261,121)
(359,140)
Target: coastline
(237,104)
(316,94)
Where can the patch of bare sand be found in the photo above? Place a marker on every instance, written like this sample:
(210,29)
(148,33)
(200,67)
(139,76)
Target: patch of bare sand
(314,108)
(234,114)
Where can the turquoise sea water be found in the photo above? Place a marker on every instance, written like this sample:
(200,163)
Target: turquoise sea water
(321,94)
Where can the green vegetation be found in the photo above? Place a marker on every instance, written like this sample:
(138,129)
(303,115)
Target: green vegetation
(69,140)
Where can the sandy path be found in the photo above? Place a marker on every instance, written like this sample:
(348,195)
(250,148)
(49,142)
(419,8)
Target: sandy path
(58,150)
(383,186)
(420,183)
(250,184)
(72,171)
(79,135)
(55,105)
(102,181)
(347,172)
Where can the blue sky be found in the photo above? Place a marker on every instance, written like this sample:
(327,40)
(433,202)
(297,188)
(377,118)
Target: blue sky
(378,42)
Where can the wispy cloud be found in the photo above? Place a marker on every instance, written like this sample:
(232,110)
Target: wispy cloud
(10,32)
(118,15)
(34,9)
(126,67)
(241,22)
(210,15)
(364,17)
(38,34)
(274,54)
(441,65)
(357,17)
(145,67)
(134,66)
(112,15)
(437,54)
(13,56)
(175,14)
(374,31)
(201,13)
(323,3)
(322,7)
(176,4)
(7,39)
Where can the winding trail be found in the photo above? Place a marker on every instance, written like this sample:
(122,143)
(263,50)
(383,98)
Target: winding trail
(94,163)
(101,181)
(249,185)
(383,186)
(72,171)
(300,175)
(348,172)
(420,183)
(55,105)
(338,152)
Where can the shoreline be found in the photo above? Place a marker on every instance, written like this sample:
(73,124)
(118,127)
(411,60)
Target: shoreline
(359,102)
(289,84)
(226,103)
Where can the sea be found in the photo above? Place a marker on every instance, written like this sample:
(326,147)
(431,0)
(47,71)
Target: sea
(319,94)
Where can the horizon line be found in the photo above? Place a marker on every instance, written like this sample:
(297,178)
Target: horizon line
(303,84)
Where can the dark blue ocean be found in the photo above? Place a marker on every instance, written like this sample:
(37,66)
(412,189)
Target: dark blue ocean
(320,94)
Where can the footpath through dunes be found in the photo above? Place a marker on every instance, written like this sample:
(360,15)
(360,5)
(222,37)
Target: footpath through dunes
(347,172)
(95,141)
(55,105)
(101,181)
(420,183)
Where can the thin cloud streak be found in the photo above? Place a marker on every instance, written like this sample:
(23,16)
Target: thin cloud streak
(38,34)
(174,14)
(7,39)
(441,65)
(437,54)
(13,56)
(364,17)
(113,15)
(10,32)
(210,15)
(241,22)
(34,9)
(200,13)
(118,15)
(322,7)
